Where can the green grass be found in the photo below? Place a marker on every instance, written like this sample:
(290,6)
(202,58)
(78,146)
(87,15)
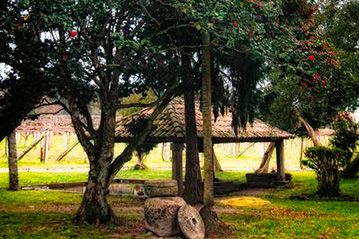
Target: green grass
(48,214)
(36,178)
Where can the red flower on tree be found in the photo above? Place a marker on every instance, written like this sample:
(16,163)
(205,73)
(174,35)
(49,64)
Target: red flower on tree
(73,33)
(316,77)
(324,83)
(311,58)
(235,23)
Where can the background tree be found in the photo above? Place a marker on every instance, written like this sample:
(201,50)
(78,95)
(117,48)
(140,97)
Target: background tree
(310,84)
(22,58)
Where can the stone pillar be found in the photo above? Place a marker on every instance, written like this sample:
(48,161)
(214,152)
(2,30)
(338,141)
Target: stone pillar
(177,166)
(279,145)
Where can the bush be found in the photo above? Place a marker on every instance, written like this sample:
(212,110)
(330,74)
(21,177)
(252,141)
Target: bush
(326,163)
(346,138)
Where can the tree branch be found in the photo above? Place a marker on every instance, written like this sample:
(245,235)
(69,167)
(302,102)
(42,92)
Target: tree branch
(126,155)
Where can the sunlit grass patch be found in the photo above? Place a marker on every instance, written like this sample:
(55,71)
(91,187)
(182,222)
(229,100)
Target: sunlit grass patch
(244,202)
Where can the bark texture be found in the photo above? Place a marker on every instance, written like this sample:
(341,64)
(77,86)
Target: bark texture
(94,207)
(193,181)
(208,196)
(214,227)
(12,159)
(193,190)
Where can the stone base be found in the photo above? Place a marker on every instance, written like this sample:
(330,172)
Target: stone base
(267,180)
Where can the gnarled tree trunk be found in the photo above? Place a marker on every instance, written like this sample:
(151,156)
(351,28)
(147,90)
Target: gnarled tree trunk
(94,207)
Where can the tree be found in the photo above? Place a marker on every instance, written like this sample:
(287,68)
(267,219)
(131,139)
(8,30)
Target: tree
(326,163)
(346,138)
(339,20)
(22,82)
(312,83)
(93,50)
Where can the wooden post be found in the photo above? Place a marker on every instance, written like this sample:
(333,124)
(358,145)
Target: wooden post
(33,145)
(177,166)
(17,137)
(279,145)
(301,153)
(217,166)
(264,167)
(66,140)
(44,147)
(6,147)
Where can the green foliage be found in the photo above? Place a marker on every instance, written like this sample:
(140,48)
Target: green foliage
(326,163)
(312,79)
(134,128)
(346,138)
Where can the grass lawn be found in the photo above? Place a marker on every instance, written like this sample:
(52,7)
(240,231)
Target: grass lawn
(48,214)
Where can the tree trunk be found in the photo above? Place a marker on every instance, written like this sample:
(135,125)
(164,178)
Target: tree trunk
(12,158)
(94,208)
(140,161)
(208,197)
(264,167)
(352,169)
(301,153)
(311,132)
(328,181)
(212,223)
(193,191)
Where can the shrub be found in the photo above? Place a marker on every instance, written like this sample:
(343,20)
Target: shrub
(346,138)
(326,163)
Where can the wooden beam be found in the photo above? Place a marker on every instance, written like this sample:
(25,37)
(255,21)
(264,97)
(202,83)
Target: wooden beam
(279,145)
(45,147)
(67,151)
(177,166)
(30,148)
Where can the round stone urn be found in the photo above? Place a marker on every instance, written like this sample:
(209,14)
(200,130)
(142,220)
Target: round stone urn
(160,188)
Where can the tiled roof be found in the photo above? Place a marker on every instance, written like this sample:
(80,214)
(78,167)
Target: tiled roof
(170,127)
